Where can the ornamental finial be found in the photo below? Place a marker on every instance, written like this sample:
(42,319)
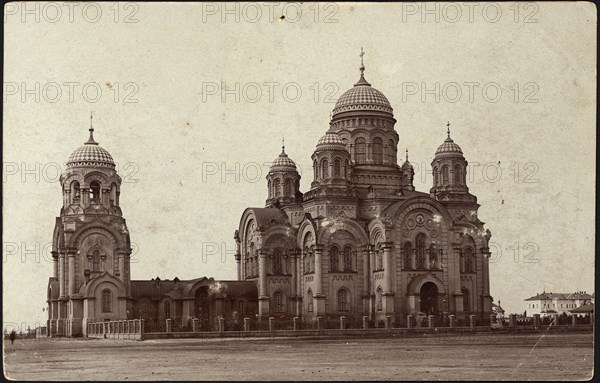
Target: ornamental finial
(362,63)
(448,125)
(406,154)
(282,144)
(91,139)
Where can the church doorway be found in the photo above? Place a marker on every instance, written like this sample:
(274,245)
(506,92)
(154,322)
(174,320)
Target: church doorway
(203,307)
(429,297)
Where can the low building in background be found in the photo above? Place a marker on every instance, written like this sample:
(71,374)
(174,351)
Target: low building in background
(556,303)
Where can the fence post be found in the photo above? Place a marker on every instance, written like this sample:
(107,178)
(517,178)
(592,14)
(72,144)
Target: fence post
(365,322)
(142,329)
(246,324)
(492,319)
(295,320)
(574,320)
(342,322)
(221,324)
(409,321)
(513,320)
(271,323)
(319,323)
(472,318)
(169,325)
(452,319)
(536,321)
(388,322)
(194,324)
(431,321)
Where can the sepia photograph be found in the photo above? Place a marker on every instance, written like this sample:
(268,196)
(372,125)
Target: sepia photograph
(274,191)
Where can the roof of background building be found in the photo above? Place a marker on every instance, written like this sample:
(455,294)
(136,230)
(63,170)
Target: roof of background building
(575,295)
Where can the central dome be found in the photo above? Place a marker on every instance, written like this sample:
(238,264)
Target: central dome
(91,154)
(362,97)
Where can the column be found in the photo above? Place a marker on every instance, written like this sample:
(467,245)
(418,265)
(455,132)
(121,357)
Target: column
(55,263)
(388,274)
(238,259)
(298,277)
(455,281)
(318,270)
(61,274)
(71,256)
(319,296)
(292,270)
(263,298)
(121,255)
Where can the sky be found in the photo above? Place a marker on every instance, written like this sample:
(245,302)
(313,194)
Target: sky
(193,100)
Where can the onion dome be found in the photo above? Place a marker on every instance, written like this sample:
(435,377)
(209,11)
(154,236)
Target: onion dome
(91,154)
(283,162)
(406,165)
(449,146)
(330,141)
(362,97)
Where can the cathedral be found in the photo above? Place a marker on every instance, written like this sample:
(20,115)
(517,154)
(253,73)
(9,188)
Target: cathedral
(361,241)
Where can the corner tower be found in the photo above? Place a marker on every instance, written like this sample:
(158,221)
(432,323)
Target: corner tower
(91,245)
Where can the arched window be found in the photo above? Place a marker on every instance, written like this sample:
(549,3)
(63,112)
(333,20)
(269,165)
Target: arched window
(343,298)
(337,165)
(435,176)
(306,262)
(379,299)
(421,251)
(106,301)
(113,194)
(377,150)
(311,257)
(469,260)
(334,258)
(445,177)
(288,187)
(167,309)
(277,261)
(408,256)
(433,257)
(316,168)
(391,152)
(347,169)
(278,305)
(466,300)
(347,258)
(75,192)
(361,150)
(309,301)
(247,264)
(96,260)
(325,168)
(457,175)
(95,191)
(276,187)
(379,258)
(269,188)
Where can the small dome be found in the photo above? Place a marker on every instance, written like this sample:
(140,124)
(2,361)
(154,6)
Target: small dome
(448,147)
(91,154)
(407,165)
(330,138)
(362,97)
(283,162)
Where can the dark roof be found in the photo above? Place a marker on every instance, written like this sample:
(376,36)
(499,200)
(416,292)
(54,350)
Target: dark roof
(157,289)
(267,217)
(545,295)
(589,308)
(151,289)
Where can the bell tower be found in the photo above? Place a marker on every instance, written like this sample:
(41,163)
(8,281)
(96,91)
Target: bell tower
(91,247)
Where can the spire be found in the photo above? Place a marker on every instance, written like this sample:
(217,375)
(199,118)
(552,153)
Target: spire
(91,141)
(282,145)
(362,80)
(406,154)
(448,125)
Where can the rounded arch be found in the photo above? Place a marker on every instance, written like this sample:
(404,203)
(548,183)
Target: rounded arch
(400,210)
(109,231)
(359,234)
(100,282)
(414,287)
(307,229)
